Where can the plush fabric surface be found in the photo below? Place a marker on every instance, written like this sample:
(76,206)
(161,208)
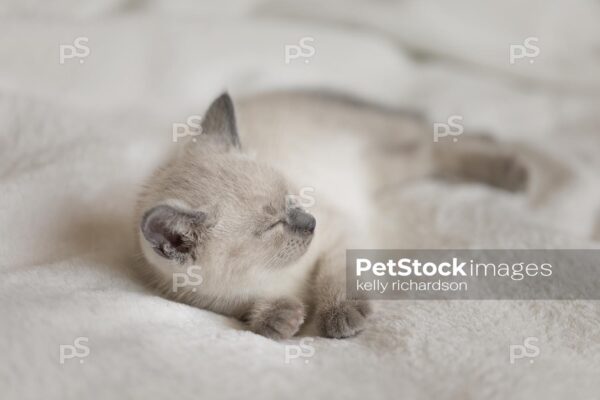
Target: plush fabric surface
(77,139)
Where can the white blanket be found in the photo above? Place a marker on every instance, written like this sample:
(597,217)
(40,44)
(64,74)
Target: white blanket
(77,139)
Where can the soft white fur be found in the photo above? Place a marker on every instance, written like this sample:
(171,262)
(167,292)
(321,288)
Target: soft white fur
(75,140)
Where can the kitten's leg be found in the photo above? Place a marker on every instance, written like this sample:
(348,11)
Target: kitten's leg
(336,316)
(479,158)
(276,319)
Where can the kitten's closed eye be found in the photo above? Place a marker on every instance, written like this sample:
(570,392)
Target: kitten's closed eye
(271,227)
(269,209)
(271,220)
(275,224)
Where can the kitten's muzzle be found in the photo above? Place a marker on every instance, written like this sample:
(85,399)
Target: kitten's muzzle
(301,221)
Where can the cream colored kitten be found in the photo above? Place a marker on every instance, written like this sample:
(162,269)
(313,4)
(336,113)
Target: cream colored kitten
(230,204)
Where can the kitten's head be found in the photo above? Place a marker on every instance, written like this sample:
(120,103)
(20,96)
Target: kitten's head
(218,208)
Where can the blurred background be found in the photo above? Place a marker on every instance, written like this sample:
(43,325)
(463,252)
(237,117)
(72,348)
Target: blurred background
(445,57)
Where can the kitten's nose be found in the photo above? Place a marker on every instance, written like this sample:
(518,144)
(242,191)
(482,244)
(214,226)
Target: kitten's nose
(301,220)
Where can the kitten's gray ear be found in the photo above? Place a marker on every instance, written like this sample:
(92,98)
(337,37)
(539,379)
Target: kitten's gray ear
(173,233)
(220,120)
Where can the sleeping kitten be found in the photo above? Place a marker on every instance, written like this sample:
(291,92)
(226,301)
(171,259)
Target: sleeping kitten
(228,204)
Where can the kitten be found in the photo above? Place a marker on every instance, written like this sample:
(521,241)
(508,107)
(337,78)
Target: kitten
(227,203)
(219,208)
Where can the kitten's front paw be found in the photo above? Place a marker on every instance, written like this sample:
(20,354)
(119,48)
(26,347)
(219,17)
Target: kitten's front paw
(280,319)
(343,319)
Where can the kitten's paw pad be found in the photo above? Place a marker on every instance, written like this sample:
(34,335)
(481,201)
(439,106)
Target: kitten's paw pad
(344,319)
(278,320)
